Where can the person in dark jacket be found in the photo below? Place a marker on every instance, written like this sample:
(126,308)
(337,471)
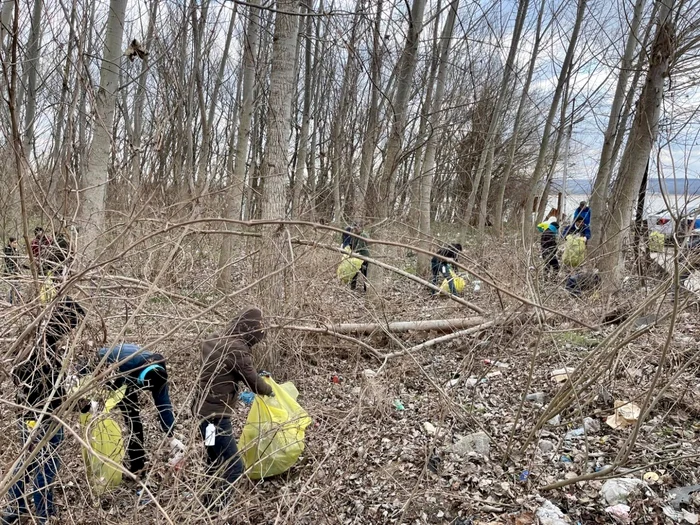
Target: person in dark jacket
(41,393)
(579,227)
(548,243)
(141,370)
(584,212)
(441,268)
(358,244)
(40,246)
(227,361)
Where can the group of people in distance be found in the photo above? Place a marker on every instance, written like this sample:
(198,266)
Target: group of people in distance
(42,390)
(549,240)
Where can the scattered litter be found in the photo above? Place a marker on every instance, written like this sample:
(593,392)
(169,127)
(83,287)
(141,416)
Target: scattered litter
(591,425)
(680,515)
(369,373)
(577,432)
(477,286)
(452,382)
(690,517)
(537,397)
(618,490)
(491,375)
(497,364)
(562,374)
(681,495)
(523,476)
(620,512)
(625,414)
(429,428)
(555,421)
(644,321)
(651,477)
(545,446)
(336,379)
(478,442)
(566,459)
(550,514)
(398,405)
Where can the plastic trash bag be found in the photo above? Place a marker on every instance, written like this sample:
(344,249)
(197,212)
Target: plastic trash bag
(657,240)
(458,281)
(348,267)
(104,436)
(273,436)
(574,251)
(47,291)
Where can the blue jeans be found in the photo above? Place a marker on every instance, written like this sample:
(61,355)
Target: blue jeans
(222,458)
(39,473)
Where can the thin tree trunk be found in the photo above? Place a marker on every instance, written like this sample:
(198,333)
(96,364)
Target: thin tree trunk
(599,196)
(426,180)
(276,160)
(91,213)
(404,68)
(524,96)
(33,59)
(528,204)
(305,118)
(369,143)
(640,142)
(494,132)
(234,194)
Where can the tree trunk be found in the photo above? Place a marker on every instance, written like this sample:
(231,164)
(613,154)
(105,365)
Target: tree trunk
(528,205)
(405,68)
(426,180)
(234,194)
(91,213)
(494,132)
(276,160)
(300,171)
(642,137)
(33,59)
(599,196)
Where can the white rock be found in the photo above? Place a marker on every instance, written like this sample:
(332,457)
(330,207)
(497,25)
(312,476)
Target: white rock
(478,442)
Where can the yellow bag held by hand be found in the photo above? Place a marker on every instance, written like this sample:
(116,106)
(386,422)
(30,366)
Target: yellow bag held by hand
(458,281)
(348,267)
(574,250)
(273,436)
(104,436)
(657,241)
(47,291)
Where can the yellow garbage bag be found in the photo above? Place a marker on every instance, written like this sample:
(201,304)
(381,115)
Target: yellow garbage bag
(104,436)
(657,241)
(458,281)
(47,291)
(348,267)
(273,436)
(574,251)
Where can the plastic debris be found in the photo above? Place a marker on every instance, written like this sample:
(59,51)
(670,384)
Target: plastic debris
(247,397)
(429,428)
(523,476)
(566,459)
(625,414)
(562,374)
(398,405)
(477,286)
(618,490)
(591,425)
(681,495)
(537,397)
(680,515)
(369,373)
(577,432)
(651,477)
(620,512)
(497,364)
(546,446)
(336,379)
(690,517)
(550,514)
(478,442)
(555,421)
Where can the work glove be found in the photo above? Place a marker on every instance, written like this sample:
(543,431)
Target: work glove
(264,373)
(247,397)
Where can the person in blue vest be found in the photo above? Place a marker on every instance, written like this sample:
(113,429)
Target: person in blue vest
(141,370)
(583,211)
(579,227)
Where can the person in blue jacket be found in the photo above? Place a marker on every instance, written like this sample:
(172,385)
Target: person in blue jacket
(579,227)
(141,370)
(584,212)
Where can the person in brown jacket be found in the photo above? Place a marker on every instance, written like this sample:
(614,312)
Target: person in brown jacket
(226,361)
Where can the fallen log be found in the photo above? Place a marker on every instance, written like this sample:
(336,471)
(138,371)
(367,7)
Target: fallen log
(448,325)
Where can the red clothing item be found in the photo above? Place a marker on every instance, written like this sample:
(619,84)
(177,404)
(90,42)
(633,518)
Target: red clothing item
(39,245)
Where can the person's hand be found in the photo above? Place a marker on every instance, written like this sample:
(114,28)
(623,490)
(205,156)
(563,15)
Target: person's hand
(247,397)
(264,373)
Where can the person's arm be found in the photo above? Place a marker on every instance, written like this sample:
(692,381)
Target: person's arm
(251,378)
(587,233)
(165,410)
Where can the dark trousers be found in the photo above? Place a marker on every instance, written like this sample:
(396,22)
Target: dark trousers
(441,270)
(39,473)
(223,460)
(363,271)
(551,263)
(130,409)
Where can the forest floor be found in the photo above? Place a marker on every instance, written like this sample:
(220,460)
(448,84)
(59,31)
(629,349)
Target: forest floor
(390,447)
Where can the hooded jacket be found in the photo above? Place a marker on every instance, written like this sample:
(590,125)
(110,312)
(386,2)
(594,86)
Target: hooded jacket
(550,232)
(226,360)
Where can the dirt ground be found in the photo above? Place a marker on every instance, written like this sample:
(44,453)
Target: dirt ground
(381,448)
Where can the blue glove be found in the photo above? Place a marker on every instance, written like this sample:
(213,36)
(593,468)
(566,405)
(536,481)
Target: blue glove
(247,397)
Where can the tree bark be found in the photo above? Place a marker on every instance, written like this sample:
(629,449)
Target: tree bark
(599,196)
(91,212)
(33,60)
(640,142)
(435,110)
(234,194)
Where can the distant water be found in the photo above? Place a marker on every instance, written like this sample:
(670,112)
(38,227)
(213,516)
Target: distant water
(654,203)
